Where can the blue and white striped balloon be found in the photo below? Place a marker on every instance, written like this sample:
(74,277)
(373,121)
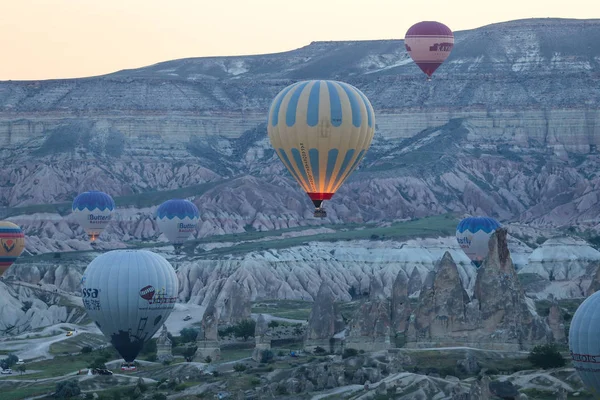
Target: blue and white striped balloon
(177,219)
(93,211)
(473,235)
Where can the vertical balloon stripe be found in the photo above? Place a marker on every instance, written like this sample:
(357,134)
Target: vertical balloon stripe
(331,161)
(354,165)
(313,154)
(345,164)
(368,107)
(312,112)
(335,105)
(300,165)
(286,161)
(277,103)
(290,114)
(354,105)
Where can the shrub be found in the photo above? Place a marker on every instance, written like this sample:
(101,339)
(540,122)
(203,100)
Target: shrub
(266,356)
(239,367)
(546,356)
(349,353)
(67,389)
(245,329)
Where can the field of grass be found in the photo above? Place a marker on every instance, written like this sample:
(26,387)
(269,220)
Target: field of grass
(74,344)
(234,354)
(292,309)
(444,362)
(28,391)
(439,225)
(62,365)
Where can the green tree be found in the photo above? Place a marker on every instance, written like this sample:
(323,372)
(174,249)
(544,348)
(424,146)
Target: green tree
(239,367)
(546,356)
(21,368)
(245,328)
(188,335)
(189,353)
(98,363)
(67,389)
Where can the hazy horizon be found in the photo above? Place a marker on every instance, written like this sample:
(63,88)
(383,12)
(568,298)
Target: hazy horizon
(61,39)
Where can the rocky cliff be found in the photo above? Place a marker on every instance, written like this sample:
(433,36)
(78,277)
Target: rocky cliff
(508,127)
(497,316)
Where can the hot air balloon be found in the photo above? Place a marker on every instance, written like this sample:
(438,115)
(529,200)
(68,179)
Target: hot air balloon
(12,243)
(584,344)
(177,219)
(93,211)
(320,130)
(429,43)
(473,235)
(129,294)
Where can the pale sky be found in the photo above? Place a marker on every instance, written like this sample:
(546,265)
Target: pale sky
(44,39)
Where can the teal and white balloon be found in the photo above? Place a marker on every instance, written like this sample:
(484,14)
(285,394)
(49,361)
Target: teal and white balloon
(177,219)
(584,343)
(93,211)
(473,236)
(129,294)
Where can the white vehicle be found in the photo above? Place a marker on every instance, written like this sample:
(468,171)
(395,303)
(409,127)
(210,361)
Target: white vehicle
(6,371)
(20,362)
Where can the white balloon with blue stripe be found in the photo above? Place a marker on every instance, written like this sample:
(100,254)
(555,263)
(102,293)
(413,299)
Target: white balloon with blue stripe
(473,235)
(177,219)
(93,210)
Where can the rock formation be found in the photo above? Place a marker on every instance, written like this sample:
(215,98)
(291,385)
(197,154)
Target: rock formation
(236,306)
(164,346)
(208,338)
(441,315)
(503,308)
(262,338)
(400,303)
(322,320)
(555,322)
(499,316)
(370,330)
(414,282)
(594,285)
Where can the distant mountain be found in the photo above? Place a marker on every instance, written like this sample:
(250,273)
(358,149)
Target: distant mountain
(509,126)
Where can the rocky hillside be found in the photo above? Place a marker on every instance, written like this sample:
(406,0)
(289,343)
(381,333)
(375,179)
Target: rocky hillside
(508,127)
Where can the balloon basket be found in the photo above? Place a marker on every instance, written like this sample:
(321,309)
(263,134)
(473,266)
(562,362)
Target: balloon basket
(128,367)
(320,213)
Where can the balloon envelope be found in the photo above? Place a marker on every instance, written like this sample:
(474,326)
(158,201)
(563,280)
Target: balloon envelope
(12,243)
(584,344)
(177,219)
(129,294)
(429,43)
(473,235)
(93,211)
(321,130)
